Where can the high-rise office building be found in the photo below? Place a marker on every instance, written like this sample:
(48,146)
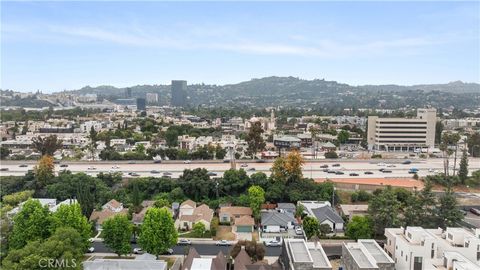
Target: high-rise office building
(128,93)
(402,134)
(141,104)
(179,93)
(152,98)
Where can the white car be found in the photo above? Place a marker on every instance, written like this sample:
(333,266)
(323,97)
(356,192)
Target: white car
(138,251)
(381,164)
(391,166)
(222,243)
(273,243)
(91,168)
(184,242)
(91,249)
(187,161)
(115,167)
(244,165)
(298,231)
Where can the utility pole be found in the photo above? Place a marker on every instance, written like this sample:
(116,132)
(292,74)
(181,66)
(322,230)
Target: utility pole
(233,165)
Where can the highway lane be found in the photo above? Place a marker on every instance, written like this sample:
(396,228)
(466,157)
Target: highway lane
(310,169)
(211,249)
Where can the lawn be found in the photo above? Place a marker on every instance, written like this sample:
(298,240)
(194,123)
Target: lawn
(225,233)
(191,234)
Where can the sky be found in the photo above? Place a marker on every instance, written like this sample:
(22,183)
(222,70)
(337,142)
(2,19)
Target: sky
(52,46)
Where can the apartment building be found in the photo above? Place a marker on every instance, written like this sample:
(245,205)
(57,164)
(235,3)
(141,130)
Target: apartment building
(417,248)
(300,255)
(365,255)
(402,134)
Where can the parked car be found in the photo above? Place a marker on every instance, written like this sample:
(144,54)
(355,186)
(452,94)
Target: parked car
(244,165)
(251,169)
(187,161)
(168,252)
(222,243)
(353,174)
(475,211)
(324,166)
(131,162)
(23,166)
(137,251)
(91,250)
(63,166)
(211,174)
(336,165)
(273,243)
(368,172)
(260,161)
(298,231)
(157,161)
(184,242)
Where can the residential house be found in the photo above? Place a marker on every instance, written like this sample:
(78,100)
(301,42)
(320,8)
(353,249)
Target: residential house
(243,262)
(287,207)
(194,261)
(276,221)
(418,248)
(228,214)
(202,213)
(243,224)
(365,254)
(351,210)
(109,210)
(137,218)
(324,213)
(297,254)
(50,203)
(187,207)
(65,202)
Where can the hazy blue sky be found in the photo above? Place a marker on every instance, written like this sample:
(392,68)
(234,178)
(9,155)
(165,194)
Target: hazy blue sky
(53,46)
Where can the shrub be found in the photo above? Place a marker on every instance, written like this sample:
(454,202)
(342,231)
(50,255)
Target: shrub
(376,156)
(331,154)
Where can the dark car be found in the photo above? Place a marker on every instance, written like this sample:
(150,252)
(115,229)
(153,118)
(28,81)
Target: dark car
(406,162)
(336,165)
(251,169)
(324,166)
(475,211)
(211,174)
(260,161)
(134,174)
(331,171)
(353,174)
(368,172)
(63,165)
(154,171)
(131,162)
(23,166)
(382,169)
(339,172)
(157,161)
(387,171)
(4,169)
(326,170)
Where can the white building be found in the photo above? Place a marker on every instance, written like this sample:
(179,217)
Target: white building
(417,248)
(365,254)
(402,134)
(298,254)
(87,126)
(151,98)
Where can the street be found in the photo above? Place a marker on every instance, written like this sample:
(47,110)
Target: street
(211,249)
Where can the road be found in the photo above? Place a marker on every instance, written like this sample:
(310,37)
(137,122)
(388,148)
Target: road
(310,169)
(210,249)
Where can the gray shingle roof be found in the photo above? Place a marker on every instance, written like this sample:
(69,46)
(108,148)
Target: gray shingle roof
(327,212)
(286,206)
(272,218)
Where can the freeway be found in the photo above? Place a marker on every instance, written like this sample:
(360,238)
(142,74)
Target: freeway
(211,249)
(310,169)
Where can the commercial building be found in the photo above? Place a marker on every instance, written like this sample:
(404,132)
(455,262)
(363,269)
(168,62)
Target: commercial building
(402,134)
(179,93)
(152,98)
(416,248)
(365,254)
(141,104)
(300,255)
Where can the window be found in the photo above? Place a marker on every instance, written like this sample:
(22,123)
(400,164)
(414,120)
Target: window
(401,254)
(406,258)
(396,247)
(409,235)
(450,236)
(417,263)
(432,253)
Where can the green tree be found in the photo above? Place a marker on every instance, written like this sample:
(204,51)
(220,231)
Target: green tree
(343,136)
(473,142)
(15,198)
(256,196)
(171,137)
(448,213)
(4,152)
(311,227)
(438,132)
(47,145)
(92,146)
(360,227)
(65,245)
(324,229)
(159,203)
(71,216)
(220,152)
(30,224)
(158,231)
(463,170)
(117,232)
(254,139)
(384,210)
(199,229)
